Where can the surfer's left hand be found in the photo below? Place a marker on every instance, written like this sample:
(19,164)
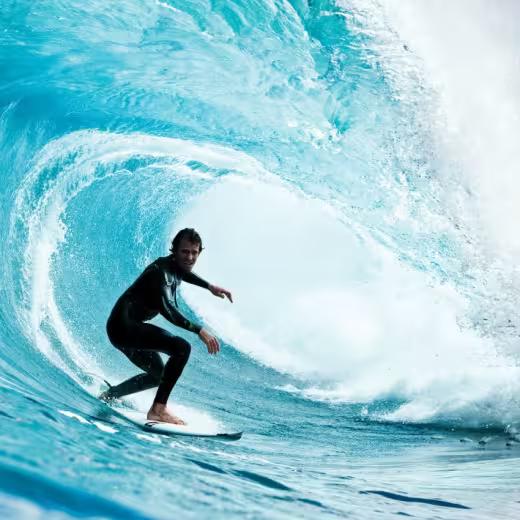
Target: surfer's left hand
(220,292)
(210,341)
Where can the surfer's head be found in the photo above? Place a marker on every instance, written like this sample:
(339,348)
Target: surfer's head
(185,248)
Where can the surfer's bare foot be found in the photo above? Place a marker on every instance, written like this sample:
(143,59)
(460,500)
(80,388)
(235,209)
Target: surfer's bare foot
(159,412)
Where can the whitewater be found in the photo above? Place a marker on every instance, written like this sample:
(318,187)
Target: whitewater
(351,167)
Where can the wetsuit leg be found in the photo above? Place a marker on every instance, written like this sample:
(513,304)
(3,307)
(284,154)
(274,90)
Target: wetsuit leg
(146,339)
(153,366)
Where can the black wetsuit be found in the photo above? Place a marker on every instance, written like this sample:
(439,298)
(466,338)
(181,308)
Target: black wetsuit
(152,293)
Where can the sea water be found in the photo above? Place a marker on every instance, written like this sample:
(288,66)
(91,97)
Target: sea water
(352,169)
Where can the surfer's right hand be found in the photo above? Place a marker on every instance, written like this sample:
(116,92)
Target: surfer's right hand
(210,341)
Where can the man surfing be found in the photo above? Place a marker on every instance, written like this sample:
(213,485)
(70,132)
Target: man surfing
(155,292)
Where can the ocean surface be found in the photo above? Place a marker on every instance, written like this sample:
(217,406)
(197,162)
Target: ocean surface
(352,167)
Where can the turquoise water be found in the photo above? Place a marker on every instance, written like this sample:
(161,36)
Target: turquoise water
(351,169)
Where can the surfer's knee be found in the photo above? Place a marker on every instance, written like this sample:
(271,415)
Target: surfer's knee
(183,349)
(156,376)
(156,367)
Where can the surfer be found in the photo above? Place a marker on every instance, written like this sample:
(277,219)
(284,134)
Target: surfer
(155,292)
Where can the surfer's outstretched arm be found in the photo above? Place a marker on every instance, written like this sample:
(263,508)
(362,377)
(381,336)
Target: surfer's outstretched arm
(220,292)
(195,279)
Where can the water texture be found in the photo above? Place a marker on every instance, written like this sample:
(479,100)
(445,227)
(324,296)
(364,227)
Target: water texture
(351,167)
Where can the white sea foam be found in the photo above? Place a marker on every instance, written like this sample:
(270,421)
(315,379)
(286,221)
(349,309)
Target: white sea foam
(455,67)
(197,419)
(469,51)
(315,301)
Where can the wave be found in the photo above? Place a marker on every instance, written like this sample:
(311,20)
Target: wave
(355,218)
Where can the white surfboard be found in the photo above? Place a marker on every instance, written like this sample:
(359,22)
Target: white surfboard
(140,419)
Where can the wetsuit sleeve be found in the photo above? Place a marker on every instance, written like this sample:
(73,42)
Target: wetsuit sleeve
(169,311)
(194,279)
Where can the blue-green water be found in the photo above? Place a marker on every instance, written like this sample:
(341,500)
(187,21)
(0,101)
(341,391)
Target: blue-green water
(350,167)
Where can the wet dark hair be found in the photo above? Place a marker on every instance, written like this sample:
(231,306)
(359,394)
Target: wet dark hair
(186,233)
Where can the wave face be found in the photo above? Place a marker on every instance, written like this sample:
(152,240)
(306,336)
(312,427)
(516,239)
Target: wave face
(351,169)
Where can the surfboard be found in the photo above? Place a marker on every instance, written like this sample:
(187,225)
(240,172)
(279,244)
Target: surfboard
(140,419)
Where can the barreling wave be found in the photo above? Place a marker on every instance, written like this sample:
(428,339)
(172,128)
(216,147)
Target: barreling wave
(350,232)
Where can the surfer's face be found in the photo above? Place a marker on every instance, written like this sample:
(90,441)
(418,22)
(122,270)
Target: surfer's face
(186,254)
